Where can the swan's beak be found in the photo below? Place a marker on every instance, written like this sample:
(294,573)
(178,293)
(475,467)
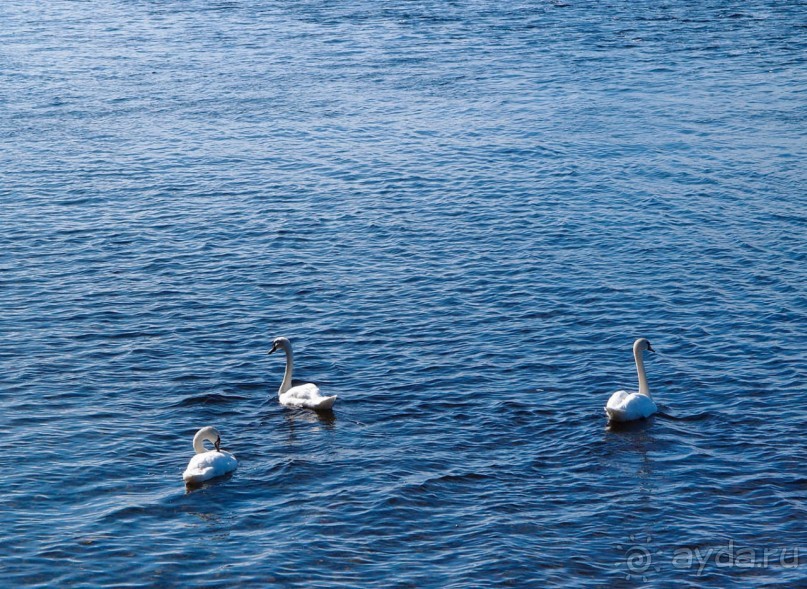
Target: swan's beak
(649,349)
(273,350)
(218,444)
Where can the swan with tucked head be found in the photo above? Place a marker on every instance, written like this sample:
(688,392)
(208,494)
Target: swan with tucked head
(625,406)
(304,395)
(208,464)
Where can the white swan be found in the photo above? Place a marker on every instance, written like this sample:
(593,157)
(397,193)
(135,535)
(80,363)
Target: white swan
(625,406)
(208,464)
(304,395)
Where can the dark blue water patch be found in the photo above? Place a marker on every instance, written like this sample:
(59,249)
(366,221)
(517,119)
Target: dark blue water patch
(209,399)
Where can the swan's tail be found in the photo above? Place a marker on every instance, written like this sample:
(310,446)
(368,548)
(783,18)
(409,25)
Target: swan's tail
(324,403)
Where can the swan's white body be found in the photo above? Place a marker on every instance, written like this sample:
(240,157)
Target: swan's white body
(208,464)
(625,406)
(304,395)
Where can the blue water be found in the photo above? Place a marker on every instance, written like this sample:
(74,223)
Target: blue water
(462,214)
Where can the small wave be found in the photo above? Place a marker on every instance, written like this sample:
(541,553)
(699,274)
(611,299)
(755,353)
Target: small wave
(209,399)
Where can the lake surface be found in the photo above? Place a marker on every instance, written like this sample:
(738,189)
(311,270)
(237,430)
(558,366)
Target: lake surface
(462,214)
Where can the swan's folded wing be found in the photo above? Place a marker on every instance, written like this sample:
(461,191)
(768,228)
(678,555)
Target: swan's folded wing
(624,406)
(198,469)
(306,391)
(306,395)
(209,465)
(618,400)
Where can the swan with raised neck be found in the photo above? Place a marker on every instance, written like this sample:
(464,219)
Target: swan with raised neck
(304,395)
(625,406)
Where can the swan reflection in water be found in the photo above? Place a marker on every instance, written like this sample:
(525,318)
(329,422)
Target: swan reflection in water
(327,418)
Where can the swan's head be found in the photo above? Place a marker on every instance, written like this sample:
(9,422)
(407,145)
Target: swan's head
(642,344)
(279,342)
(209,433)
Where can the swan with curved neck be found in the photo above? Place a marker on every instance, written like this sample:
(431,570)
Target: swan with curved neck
(625,406)
(208,464)
(304,395)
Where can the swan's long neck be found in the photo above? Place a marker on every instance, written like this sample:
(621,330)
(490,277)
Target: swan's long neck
(643,388)
(286,384)
(199,441)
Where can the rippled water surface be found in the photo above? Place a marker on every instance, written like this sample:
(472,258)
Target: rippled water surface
(462,214)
